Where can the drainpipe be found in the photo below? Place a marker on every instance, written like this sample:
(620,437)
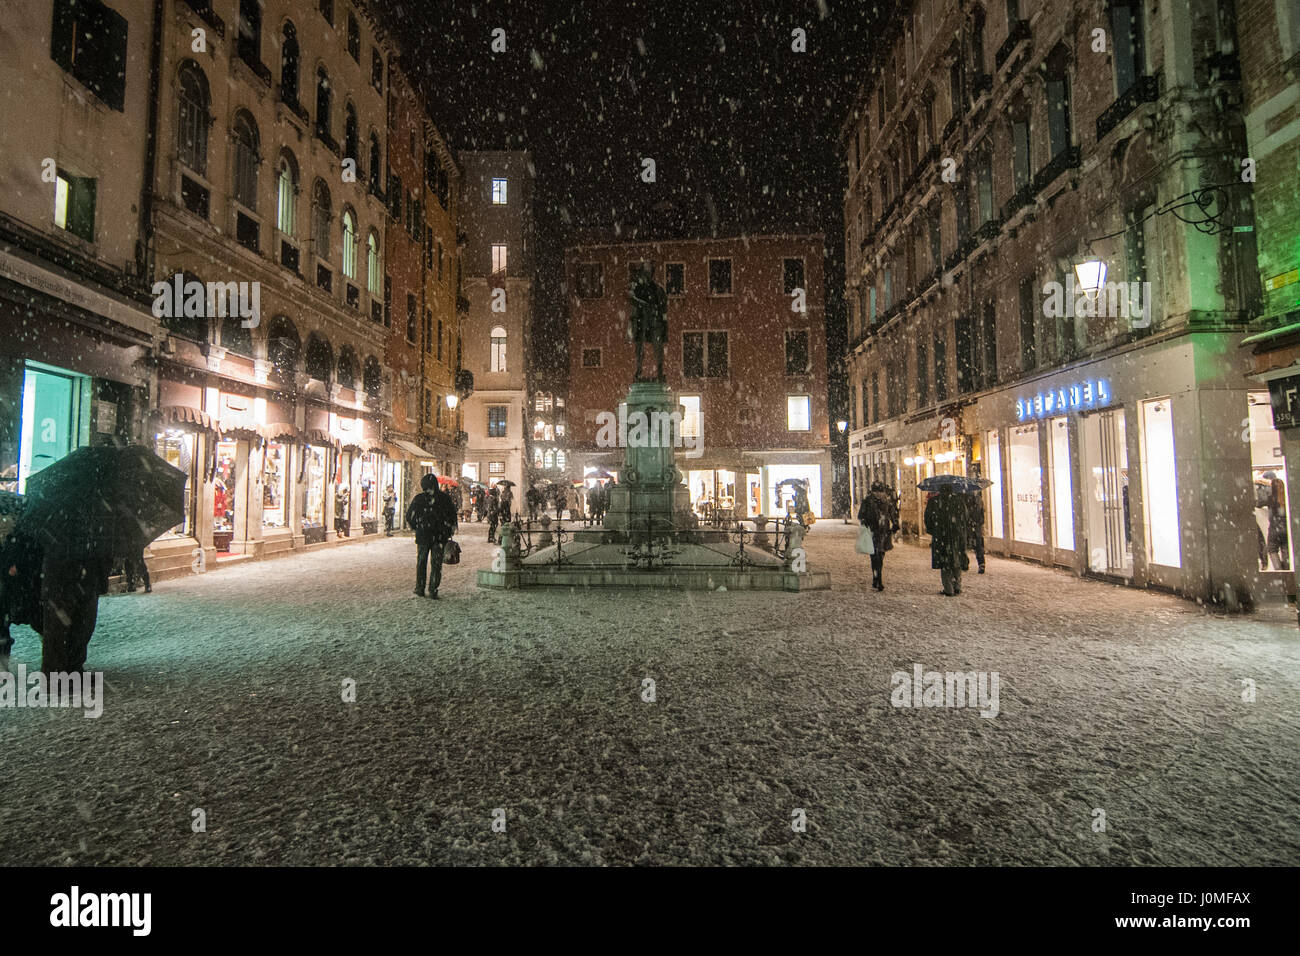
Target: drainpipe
(144,242)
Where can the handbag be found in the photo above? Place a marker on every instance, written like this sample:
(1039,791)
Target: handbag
(451,552)
(865,543)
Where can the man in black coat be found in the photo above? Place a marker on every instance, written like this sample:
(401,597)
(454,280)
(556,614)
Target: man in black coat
(947,523)
(432,514)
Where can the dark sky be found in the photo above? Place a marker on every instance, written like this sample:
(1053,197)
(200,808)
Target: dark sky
(741,128)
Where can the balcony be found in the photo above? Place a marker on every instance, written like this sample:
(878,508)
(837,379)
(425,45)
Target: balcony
(1018,34)
(246,50)
(1023,197)
(1145,89)
(1065,159)
(296,108)
(331,144)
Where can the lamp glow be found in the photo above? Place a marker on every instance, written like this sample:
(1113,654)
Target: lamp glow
(452,401)
(1091,273)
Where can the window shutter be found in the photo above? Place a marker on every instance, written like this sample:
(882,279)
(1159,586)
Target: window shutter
(81,208)
(113,77)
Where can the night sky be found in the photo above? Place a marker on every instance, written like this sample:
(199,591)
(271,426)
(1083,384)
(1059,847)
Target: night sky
(742,129)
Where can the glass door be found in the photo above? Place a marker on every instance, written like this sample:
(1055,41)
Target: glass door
(1105,486)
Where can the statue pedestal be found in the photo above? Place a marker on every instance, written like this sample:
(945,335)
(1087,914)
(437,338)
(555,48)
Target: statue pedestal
(649,492)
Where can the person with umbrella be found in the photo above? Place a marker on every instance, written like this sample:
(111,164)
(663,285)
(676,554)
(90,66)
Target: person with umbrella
(879,514)
(505,504)
(432,515)
(94,505)
(947,523)
(493,512)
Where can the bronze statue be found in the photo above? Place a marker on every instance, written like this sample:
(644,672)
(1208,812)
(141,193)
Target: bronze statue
(648,321)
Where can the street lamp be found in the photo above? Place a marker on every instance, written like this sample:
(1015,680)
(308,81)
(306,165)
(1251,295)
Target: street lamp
(453,400)
(842,425)
(1090,270)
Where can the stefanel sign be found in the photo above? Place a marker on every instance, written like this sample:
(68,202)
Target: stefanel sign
(1091,393)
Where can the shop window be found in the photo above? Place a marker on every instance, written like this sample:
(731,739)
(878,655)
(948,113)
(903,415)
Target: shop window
(1103,471)
(993,502)
(225,491)
(798,413)
(1160,484)
(88,40)
(176,447)
(74,205)
(797,360)
(719,277)
(313,502)
(1026,486)
(498,416)
(1062,485)
(1268,471)
(274,468)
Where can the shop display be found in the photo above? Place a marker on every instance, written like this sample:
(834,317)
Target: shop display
(274,468)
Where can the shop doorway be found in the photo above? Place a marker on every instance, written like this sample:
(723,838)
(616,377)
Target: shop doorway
(1105,485)
(55,418)
(1268,474)
(227,498)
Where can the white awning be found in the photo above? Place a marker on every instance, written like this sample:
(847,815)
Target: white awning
(415,450)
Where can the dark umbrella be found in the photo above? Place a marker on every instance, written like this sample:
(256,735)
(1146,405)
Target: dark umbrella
(960,483)
(506,481)
(11,504)
(104,501)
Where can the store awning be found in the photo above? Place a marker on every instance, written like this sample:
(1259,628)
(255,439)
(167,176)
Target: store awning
(186,417)
(1269,334)
(318,436)
(412,449)
(280,431)
(243,433)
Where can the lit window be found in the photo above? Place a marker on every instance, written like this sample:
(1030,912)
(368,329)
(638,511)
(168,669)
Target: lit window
(498,349)
(496,468)
(498,192)
(797,413)
(349,245)
(497,418)
(692,421)
(74,205)
(498,257)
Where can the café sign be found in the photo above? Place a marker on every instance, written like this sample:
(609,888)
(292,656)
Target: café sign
(1090,393)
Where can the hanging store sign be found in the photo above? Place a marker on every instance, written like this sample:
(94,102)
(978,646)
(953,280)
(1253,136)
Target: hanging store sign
(1091,393)
(1284,396)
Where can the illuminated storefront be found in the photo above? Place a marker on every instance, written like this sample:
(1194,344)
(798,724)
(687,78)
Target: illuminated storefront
(275,470)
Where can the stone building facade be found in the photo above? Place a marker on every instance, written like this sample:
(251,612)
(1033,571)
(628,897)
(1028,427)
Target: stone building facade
(748,366)
(497,282)
(999,157)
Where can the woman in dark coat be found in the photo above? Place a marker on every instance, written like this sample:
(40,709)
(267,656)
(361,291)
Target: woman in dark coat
(879,513)
(947,522)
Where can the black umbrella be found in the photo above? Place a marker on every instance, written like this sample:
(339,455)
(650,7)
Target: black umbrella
(507,482)
(11,504)
(960,483)
(104,501)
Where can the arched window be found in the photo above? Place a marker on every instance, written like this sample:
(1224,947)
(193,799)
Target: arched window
(283,346)
(189,317)
(498,349)
(373,378)
(559,458)
(347,367)
(286,193)
(193,118)
(351,138)
(320,358)
(322,102)
(320,211)
(550,458)
(374,271)
(247,160)
(349,244)
(289,64)
(376,166)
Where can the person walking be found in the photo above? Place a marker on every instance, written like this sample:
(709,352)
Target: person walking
(390,510)
(493,513)
(947,522)
(879,514)
(341,521)
(137,571)
(561,503)
(975,508)
(506,503)
(530,499)
(432,514)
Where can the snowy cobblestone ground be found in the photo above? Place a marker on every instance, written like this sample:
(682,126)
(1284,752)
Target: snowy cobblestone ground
(224,694)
